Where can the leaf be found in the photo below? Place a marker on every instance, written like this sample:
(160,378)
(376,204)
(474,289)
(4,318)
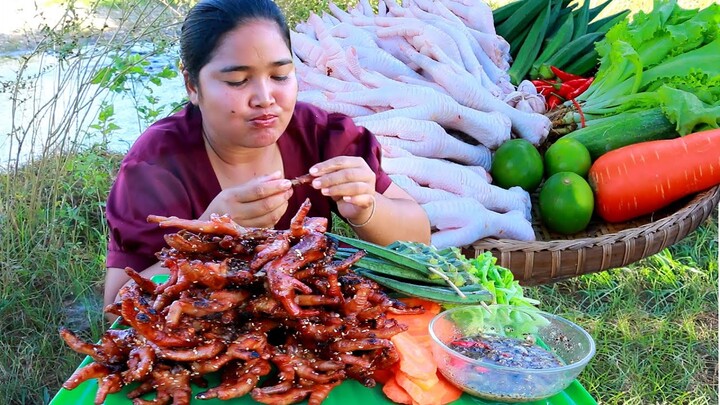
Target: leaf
(167,73)
(687,111)
(107,112)
(102,76)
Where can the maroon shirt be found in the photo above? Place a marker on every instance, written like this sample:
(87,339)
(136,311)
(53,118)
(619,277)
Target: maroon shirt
(168,172)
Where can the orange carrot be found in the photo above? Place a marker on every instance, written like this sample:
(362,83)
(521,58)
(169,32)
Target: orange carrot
(396,393)
(418,323)
(415,360)
(419,394)
(415,378)
(439,394)
(638,179)
(450,392)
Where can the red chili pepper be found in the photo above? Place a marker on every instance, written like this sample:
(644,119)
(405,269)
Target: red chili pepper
(545,87)
(575,83)
(542,86)
(564,76)
(580,111)
(580,89)
(545,91)
(543,83)
(565,89)
(552,101)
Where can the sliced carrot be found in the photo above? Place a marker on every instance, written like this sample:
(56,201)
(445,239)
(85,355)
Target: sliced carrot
(416,379)
(415,360)
(396,393)
(450,392)
(425,383)
(417,324)
(420,396)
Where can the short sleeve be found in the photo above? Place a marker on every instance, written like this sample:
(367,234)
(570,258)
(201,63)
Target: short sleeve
(348,139)
(141,189)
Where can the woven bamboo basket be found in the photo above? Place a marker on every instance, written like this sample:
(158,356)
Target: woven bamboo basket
(553,257)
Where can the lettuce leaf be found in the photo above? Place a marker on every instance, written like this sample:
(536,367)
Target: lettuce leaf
(668,43)
(688,112)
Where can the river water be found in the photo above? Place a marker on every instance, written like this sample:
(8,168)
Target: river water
(52,111)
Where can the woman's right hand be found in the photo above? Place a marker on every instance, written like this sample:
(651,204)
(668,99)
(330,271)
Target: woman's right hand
(259,203)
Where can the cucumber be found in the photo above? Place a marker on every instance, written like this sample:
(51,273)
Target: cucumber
(624,129)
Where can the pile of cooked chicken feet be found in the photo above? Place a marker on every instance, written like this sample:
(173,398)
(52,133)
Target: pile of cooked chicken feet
(244,303)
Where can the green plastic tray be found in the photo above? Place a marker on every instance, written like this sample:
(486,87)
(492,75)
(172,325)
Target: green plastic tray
(349,392)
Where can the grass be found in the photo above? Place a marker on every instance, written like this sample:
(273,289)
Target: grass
(52,250)
(655,322)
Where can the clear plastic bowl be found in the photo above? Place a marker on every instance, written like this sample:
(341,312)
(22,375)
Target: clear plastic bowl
(488,380)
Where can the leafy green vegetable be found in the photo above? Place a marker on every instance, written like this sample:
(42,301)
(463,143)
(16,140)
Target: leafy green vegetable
(498,320)
(499,281)
(665,58)
(687,110)
(466,274)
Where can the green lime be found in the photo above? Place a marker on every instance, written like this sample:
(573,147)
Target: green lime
(517,163)
(567,155)
(566,203)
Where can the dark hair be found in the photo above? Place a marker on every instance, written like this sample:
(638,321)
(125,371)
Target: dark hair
(209,20)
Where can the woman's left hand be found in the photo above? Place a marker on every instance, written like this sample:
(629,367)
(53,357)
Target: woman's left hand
(350,182)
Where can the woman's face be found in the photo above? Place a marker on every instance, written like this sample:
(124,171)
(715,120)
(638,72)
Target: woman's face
(248,90)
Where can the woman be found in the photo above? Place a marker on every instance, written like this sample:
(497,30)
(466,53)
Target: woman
(232,149)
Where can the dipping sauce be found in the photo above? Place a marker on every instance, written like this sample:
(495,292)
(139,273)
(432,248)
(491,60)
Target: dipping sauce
(506,351)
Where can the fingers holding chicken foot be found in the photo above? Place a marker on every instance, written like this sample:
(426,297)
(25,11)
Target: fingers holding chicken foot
(304,179)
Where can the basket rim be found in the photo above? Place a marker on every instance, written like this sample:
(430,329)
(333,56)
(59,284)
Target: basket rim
(704,200)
